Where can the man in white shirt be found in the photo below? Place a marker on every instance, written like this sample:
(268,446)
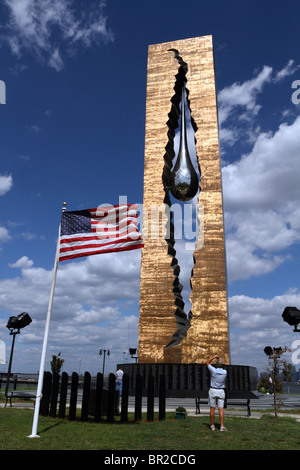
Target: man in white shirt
(216,393)
(119,380)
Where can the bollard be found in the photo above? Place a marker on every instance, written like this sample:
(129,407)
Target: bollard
(85,396)
(150,399)
(138,398)
(73,398)
(63,395)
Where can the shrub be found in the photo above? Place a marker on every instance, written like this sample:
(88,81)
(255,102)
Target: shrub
(180,409)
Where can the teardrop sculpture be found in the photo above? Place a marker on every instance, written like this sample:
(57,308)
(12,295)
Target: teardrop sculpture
(184,179)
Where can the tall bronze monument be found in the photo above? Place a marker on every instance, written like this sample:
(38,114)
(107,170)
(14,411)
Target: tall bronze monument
(178,71)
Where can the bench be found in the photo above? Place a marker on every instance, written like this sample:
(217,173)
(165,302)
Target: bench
(29,394)
(228,402)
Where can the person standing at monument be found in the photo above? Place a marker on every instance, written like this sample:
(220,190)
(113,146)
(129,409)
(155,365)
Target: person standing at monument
(270,385)
(216,393)
(119,380)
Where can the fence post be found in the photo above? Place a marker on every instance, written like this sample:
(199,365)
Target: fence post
(47,382)
(125,393)
(111,398)
(73,398)
(63,395)
(138,397)
(98,397)
(85,396)
(54,395)
(162,398)
(150,399)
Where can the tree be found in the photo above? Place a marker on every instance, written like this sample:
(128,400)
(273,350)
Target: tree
(275,364)
(56,363)
(287,372)
(263,384)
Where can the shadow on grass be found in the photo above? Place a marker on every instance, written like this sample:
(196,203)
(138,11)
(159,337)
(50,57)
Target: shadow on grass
(50,427)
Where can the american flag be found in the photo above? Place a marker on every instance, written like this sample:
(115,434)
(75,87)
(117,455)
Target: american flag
(102,230)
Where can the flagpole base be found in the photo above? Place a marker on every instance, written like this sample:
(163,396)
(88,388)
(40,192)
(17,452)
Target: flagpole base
(33,435)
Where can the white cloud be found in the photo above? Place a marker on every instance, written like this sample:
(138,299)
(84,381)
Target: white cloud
(51,29)
(243,95)
(243,262)
(261,202)
(22,263)
(56,61)
(28,236)
(238,105)
(228,136)
(6,183)
(287,71)
(87,286)
(95,305)
(4,235)
(256,323)
(268,176)
(34,128)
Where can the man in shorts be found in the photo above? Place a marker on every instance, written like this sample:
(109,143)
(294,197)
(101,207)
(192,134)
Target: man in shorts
(216,393)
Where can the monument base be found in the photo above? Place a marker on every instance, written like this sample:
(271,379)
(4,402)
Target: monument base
(192,380)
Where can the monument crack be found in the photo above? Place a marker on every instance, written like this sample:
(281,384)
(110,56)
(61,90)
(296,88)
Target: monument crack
(181,178)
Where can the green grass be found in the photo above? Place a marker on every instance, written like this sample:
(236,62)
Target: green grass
(192,433)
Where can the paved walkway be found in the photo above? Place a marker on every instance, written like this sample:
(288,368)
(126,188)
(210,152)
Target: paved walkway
(257,406)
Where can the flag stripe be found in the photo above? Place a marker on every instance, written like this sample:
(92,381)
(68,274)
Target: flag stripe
(94,243)
(83,237)
(89,251)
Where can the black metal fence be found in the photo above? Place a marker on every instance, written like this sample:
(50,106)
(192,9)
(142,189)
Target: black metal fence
(192,380)
(61,394)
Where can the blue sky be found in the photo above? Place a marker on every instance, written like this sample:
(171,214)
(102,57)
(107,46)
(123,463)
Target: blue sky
(72,129)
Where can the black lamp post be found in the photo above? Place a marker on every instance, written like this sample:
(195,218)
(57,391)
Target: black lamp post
(104,351)
(291,315)
(132,352)
(15,324)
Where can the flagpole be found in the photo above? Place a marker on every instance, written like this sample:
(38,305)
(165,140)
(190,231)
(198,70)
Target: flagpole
(45,342)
